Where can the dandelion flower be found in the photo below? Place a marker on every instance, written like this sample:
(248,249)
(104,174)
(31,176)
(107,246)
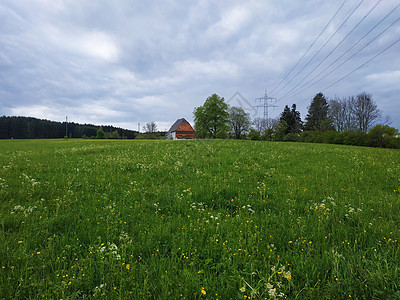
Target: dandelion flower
(203,291)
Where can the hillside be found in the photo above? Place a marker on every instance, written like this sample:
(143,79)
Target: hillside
(33,128)
(224,219)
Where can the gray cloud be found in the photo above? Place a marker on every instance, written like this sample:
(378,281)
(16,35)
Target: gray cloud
(121,63)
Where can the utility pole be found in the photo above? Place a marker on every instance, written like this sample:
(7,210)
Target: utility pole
(264,103)
(66,127)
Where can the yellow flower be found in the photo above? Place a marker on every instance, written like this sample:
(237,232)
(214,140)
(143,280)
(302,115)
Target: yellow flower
(19,242)
(203,291)
(128,266)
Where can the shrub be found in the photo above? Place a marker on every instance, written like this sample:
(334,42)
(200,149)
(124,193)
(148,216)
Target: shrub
(254,135)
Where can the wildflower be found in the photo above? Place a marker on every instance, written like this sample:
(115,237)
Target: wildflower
(203,291)
(287,275)
(243,289)
(128,266)
(272,293)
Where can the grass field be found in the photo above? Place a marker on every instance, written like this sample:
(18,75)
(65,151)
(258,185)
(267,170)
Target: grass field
(201,219)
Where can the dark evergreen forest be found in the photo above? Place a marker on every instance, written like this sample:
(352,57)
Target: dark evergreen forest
(33,128)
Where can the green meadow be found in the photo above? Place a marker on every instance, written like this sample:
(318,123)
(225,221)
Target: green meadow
(199,219)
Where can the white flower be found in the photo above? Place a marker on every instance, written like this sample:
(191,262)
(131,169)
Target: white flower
(272,293)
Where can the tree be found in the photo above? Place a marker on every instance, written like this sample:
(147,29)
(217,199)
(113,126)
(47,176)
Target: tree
(254,135)
(211,120)
(280,131)
(292,119)
(150,127)
(239,120)
(100,133)
(365,111)
(317,113)
(340,114)
(261,124)
(383,136)
(114,135)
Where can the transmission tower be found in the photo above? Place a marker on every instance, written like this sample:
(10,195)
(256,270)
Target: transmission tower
(264,103)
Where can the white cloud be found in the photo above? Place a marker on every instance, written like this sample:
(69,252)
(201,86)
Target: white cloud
(133,61)
(231,22)
(37,111)
(88,43)
(214,69)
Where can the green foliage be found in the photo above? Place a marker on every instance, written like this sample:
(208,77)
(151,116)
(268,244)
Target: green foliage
(383,136)
(317,117)
(239,120)
(197,219)
(254,135)
(100,134)
(291,137)
(379,136)
(32,128)
(114,135)
(292,119)
(267,135)
(280,131)
(212,118)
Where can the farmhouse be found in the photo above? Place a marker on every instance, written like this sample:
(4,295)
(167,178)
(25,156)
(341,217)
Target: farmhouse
(181,130)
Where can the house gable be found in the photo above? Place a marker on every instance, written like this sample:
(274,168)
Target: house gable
(181,129)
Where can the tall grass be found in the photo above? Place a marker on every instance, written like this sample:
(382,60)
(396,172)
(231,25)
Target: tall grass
(216,219)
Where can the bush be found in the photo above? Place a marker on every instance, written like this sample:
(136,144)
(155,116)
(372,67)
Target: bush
(355,138)
(254,135)
(291,137)
(383,137)
(267,135)
(330,136)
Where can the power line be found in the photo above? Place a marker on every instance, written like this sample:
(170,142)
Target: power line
(375,56)
(354,54)
(309,48)
(358,68)
(330,53)
(323,46)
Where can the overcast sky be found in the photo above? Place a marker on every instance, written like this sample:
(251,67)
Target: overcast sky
(127,62)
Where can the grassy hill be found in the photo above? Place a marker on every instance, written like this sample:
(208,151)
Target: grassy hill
(215,219)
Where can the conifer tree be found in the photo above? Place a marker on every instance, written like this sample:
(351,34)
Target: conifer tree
(317,117)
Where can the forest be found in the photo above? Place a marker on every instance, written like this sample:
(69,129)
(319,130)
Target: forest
(33,128)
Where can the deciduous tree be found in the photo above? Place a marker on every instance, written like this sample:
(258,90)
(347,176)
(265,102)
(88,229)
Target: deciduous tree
(340,113)
(100,133)
(211,120)
(239,120)
(150,127)
(365,111)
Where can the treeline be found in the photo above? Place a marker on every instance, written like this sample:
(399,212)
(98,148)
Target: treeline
(381,136)
(348,121)
(33,128)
